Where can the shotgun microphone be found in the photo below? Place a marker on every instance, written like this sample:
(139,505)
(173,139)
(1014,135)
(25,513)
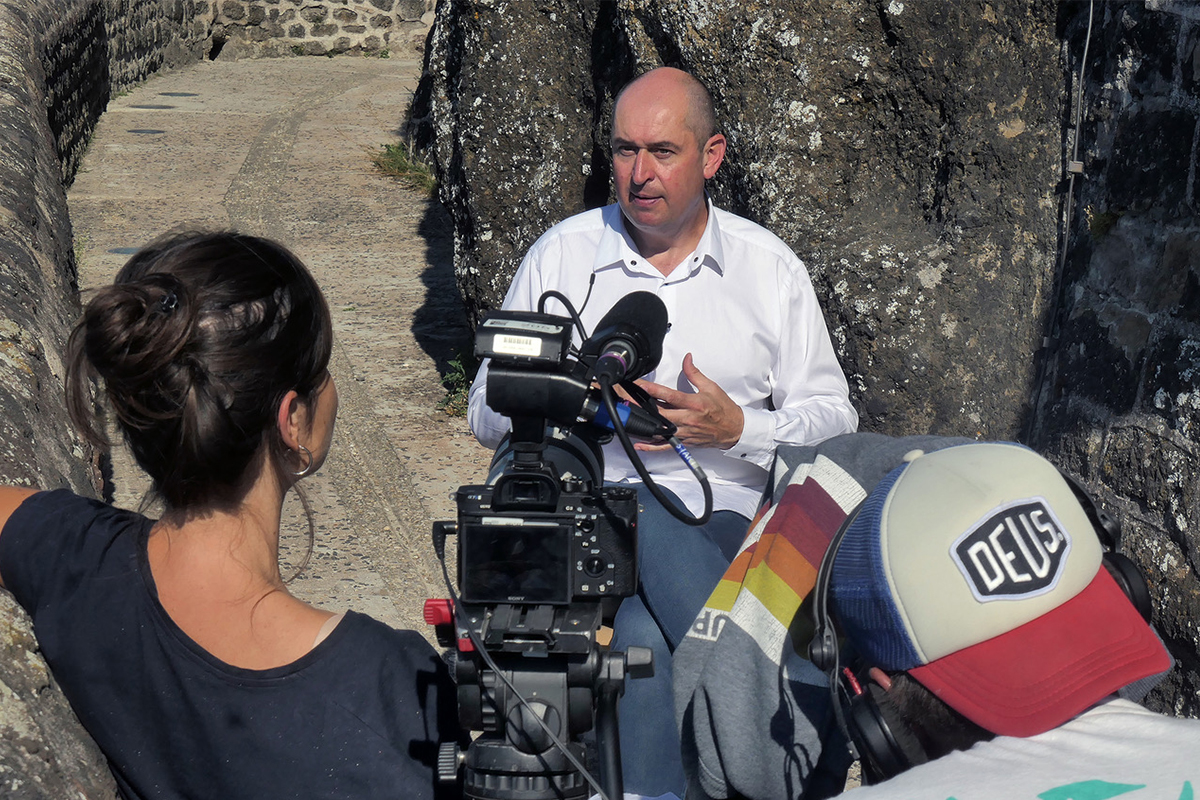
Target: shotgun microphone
(627,342)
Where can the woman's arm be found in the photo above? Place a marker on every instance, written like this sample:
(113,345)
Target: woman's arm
(10,498)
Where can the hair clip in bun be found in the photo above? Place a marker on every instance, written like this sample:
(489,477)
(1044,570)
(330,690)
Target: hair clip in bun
(168,303)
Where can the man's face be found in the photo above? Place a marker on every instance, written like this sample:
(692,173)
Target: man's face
(659,166)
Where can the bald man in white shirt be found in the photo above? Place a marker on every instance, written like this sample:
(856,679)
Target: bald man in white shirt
(747,365)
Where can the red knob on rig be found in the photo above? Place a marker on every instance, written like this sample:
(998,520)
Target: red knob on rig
(439,611)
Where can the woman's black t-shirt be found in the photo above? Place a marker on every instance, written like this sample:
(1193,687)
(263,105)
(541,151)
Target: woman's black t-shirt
(360,716)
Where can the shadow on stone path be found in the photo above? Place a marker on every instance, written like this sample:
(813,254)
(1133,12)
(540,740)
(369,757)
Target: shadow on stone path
(281,148)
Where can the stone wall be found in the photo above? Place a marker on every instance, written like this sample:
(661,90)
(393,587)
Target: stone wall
(88,50)
(49,99)
(310,27)
(1120,402)
(60,61)
(914,155)
(145,36)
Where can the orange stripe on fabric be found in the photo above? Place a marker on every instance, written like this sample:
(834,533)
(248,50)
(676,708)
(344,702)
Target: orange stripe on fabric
(726,591)
(781,557)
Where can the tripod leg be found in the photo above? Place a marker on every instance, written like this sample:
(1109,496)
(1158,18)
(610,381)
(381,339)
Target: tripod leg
(608,740)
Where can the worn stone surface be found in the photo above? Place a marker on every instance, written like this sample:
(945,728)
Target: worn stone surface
(43,751)
(42,755)
(913,154)
(508,104)
(37,270)
(1120,403)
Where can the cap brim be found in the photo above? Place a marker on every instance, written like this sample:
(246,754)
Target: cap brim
(1045,672)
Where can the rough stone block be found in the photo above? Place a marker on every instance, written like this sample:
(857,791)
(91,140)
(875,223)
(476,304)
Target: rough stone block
(410,9)
(1171,388)
(1128,262)
(314,13)
(383,5)
(1103,371)
(233,10)
(345,15)
(1151,156)
(297,32)
(256,14)
(381,21)
(354,29)
(324,29)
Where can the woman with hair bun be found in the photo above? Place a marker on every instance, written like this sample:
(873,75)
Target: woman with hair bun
(176,640)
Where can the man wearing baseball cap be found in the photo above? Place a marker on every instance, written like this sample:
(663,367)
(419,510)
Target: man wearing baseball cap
(996,646)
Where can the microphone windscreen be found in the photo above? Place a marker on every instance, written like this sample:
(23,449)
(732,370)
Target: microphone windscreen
(639,318)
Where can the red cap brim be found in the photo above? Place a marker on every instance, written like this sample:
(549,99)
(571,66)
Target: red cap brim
(1038,676)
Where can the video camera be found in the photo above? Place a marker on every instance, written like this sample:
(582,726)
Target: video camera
(546,552)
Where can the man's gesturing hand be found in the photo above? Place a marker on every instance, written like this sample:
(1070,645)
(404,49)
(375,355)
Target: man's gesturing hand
(705,418)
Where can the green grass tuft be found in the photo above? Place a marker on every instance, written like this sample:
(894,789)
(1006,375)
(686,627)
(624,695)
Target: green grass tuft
(457,382)
(398,161)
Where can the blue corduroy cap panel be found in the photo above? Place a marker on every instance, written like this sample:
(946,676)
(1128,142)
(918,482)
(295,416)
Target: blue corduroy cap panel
(860,594)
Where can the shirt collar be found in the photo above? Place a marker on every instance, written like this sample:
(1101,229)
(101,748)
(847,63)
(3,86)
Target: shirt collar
(616,248)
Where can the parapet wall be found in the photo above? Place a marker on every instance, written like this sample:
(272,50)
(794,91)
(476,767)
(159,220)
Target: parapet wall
(305,27)
(53,85)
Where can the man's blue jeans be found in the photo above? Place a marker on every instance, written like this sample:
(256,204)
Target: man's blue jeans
(679,565)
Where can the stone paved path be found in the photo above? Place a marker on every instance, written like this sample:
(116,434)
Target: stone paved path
(281,148)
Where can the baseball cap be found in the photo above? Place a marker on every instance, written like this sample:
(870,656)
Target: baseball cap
(976,569)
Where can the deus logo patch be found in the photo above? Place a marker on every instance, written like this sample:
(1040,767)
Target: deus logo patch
(1017,551)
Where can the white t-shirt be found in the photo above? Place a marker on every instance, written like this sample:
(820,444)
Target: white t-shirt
(1116,750)
(741,303)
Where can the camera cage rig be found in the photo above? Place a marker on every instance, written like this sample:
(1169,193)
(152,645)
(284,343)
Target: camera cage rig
(546,552)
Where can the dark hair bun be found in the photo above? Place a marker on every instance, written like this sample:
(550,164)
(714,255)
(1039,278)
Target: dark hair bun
(134,331)
(196,343)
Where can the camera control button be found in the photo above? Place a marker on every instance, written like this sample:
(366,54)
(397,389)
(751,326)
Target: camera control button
(594,566)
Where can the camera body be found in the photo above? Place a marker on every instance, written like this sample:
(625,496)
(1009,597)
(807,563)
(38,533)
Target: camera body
(523,540)
(544,530)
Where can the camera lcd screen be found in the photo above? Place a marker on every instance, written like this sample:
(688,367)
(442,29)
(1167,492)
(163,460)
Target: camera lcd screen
(515,563)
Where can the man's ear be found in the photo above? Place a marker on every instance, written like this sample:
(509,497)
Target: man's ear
(714,154)
(292,418)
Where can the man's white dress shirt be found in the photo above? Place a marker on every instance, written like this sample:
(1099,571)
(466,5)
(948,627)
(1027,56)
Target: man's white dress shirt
(741,304)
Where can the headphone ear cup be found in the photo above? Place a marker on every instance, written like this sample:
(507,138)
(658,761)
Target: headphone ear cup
(1129,578)
(883,757)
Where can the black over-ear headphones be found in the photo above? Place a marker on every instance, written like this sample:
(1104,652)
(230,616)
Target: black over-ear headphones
(882,753)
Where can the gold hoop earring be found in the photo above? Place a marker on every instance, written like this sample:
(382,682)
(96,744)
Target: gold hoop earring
(307,456)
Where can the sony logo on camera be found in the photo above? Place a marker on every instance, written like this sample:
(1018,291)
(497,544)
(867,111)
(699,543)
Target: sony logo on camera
(1016,551)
